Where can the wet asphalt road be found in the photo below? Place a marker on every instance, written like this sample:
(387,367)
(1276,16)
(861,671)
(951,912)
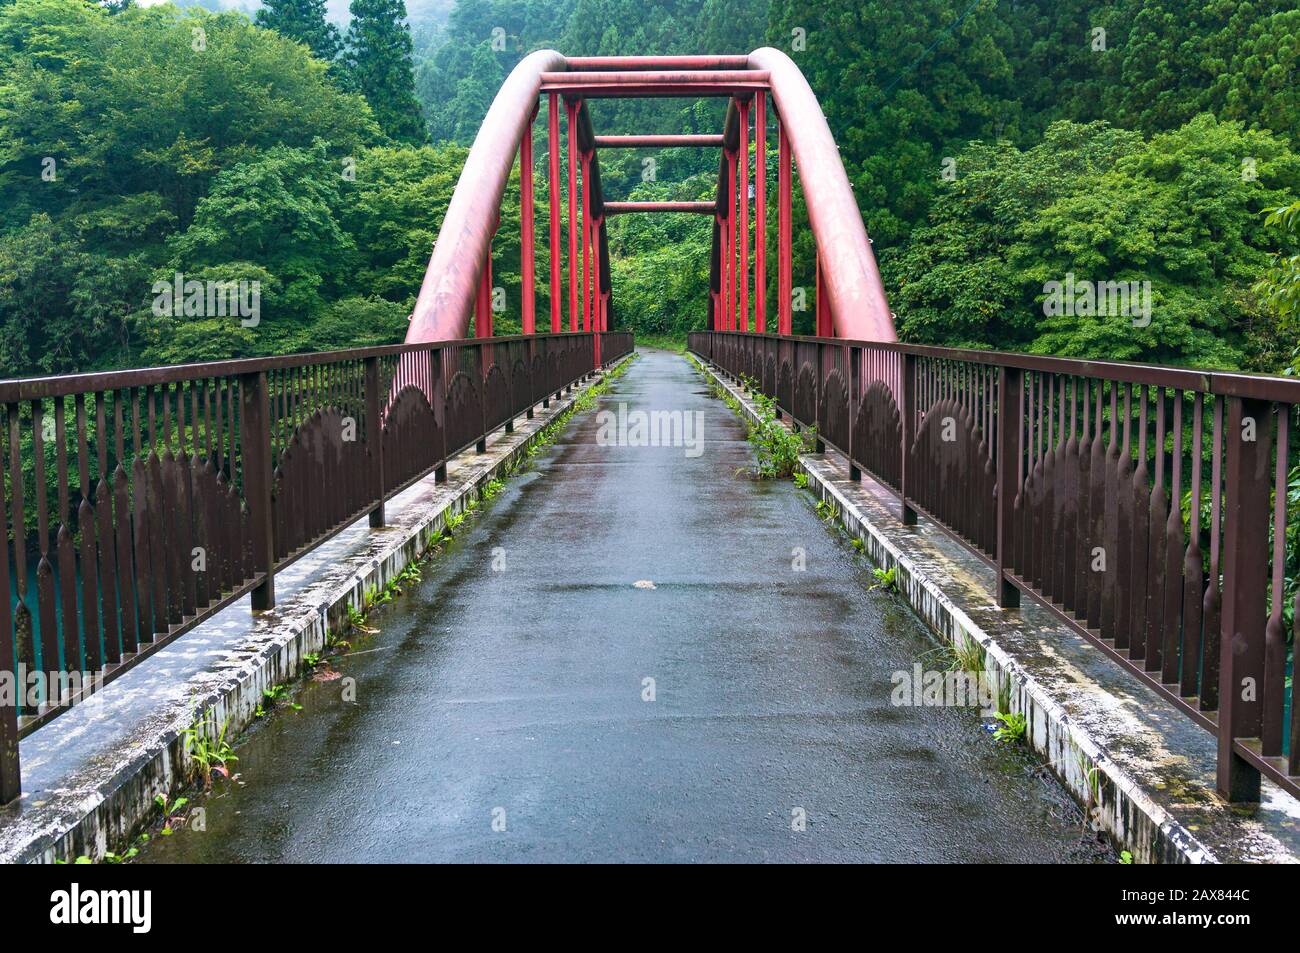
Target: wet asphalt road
(518,694)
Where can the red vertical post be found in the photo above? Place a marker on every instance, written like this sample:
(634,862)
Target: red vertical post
(597,295)
(527,266)
(483,303)
(760,212)
(553,163)
(731,239)
(571,109)
(785,207)
(825,327)
(744,215)
(719,297)
(586,241)
(724,275)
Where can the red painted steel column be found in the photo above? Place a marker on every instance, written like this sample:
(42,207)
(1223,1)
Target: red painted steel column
(586,241)
(731,239)
(760,212)
(571,109)
(720,316)
(825,325)
(597,296)
(785,276)
(553,163)
(483,303)
(527,266)
(744,215)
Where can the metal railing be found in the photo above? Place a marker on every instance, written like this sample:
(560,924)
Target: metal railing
(140,502)
(1154,510)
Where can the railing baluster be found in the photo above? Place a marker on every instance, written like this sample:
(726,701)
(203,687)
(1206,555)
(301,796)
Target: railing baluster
(907,416)
(1011,409)
(1088,477)
(255,447)
(10,653)
(374,440)
(1275,648)
(1245,578)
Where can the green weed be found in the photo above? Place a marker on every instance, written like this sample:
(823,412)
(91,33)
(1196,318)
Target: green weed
(885,579)
(207,747)
(1012,728)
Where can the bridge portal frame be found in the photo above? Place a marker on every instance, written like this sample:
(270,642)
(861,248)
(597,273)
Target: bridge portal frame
(850,295)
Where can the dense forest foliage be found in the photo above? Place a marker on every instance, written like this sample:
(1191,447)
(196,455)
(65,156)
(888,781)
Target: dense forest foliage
(993,146)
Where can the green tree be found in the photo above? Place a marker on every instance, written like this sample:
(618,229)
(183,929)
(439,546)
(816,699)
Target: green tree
(278,213)
(1280,285)
(903,86)
(378,60)
(394,211)
(1106,206)
(304,21)
(113,129)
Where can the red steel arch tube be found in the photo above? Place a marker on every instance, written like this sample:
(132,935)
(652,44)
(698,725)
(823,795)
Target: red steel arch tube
(851,278)
(553,170)
(446,298)
(857,295)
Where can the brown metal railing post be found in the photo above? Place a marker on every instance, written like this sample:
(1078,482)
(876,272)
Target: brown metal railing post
(907,416)
(375,439)
(855,400)
(10,773)
(438,402)
(819,445)
(1246,501)
(255,449)
(1009,434)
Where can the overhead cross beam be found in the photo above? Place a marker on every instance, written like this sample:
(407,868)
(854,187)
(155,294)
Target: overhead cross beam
(657,142)
(623,208)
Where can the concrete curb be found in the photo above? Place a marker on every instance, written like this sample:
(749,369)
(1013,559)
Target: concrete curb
(101,806)
(1117,801)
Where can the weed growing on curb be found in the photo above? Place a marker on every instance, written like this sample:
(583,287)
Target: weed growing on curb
(1012,727)
(207,747)
(885,579)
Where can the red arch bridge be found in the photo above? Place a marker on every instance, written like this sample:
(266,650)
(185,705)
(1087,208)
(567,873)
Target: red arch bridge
(1147,507)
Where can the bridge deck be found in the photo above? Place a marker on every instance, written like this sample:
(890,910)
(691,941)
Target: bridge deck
(522,689)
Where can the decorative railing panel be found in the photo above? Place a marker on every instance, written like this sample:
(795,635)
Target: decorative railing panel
(140,502)
(1156,510)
